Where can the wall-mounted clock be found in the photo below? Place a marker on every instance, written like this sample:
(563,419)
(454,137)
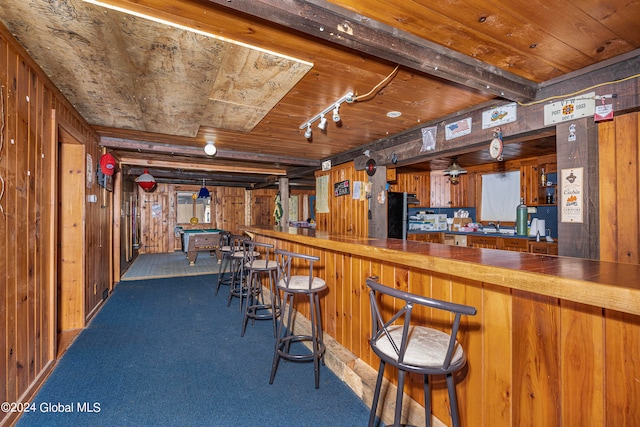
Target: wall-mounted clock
(496,146)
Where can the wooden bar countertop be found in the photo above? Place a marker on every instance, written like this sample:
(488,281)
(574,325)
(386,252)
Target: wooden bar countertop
(608,285)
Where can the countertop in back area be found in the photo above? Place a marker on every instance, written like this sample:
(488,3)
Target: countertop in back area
(479,233)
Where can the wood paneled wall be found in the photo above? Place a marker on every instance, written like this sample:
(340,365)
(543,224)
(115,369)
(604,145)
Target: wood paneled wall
(231,208)
(418,183)
(34,120)
(346,215)
(533,360)
(619,171)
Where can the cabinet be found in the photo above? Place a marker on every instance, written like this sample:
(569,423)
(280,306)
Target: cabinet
(490,242)
(532,190)
(513,244)
(547,248)
(426,237)
(455,239)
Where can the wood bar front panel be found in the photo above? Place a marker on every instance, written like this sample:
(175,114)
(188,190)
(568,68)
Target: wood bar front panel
(534,360)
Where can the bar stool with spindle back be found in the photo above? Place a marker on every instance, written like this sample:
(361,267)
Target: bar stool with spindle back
(291,285)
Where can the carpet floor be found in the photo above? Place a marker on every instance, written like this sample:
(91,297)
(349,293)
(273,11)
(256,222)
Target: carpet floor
(168,352)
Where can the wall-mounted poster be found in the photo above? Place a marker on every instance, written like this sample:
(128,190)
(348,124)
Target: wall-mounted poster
(322,194)
(89,171)
(456,129)
(341,188)
(499,115)
(570,197)
(429,139)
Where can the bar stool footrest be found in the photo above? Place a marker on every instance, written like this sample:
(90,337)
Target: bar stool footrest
(298,357)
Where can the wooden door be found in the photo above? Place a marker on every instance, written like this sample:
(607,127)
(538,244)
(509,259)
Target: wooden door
(262,207)
(153,222)
(71,236)
(232,213)
(440,190)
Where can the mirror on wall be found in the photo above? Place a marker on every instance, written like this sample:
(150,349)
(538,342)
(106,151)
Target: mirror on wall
(192,209)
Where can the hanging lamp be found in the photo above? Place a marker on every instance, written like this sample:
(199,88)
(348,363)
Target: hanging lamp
(454,170)
(204,193)
(146,181)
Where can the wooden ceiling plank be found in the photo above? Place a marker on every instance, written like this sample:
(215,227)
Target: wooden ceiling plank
(337,25)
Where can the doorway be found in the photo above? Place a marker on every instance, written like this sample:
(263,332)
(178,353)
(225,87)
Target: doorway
(70,238)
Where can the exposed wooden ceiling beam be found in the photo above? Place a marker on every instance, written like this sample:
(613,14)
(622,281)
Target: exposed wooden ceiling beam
(196,176)
(201,167)
(154,147)
(329,22)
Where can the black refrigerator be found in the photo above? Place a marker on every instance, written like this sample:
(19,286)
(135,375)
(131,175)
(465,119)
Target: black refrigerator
(398,213)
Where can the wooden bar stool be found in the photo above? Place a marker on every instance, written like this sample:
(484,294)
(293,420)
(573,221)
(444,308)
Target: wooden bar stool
(291,285)
(257,263)
(413,348)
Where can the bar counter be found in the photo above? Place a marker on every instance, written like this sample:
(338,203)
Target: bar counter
(602,284)
(554,343)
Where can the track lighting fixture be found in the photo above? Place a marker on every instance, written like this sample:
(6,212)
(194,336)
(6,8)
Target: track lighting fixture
(210,148)
(323,123)
(349,98)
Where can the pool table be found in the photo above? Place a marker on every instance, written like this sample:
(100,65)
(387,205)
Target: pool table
(194,241)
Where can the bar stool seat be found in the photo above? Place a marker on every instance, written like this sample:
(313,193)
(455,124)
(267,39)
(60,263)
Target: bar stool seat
(413,347)
(291,285)
(258,262)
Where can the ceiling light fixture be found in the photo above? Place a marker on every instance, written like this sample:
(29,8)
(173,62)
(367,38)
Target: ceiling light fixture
(204,193)
(336,113)
(323,123)
(454,170)
(308,132)
(210,148)
(348,98)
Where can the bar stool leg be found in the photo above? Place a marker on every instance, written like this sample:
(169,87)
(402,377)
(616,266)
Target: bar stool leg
(314,337)
(224,263)
(275,301)
(399,396)
(237,287)
(376,394)
(427,401)
(285,320)
(255,300)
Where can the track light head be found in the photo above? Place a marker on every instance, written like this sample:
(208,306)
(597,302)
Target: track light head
(323,123)
(336,114)
(307,133)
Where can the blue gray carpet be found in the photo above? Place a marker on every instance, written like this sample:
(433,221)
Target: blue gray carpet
(168,352)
